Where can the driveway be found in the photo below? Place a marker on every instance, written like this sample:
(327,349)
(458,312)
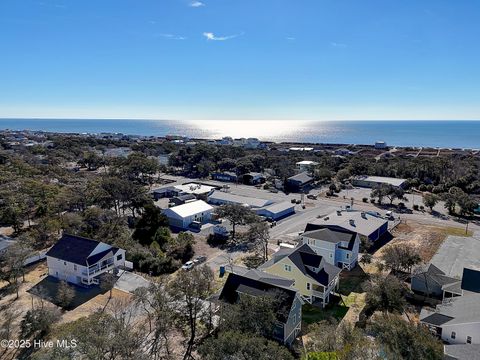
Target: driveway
(129,282)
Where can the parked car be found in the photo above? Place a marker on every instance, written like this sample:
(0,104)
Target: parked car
(298,201)
(312,197)
(293,201)
(188,265)
(274,191)
(199,259)
(389,215)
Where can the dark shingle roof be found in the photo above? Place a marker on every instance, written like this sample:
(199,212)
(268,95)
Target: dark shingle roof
(302,178)
(304,257)
(245,284)
(471,280)
(333,235)
(72,248)
(437,319)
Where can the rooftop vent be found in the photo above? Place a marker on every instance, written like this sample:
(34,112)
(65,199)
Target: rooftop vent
(352,222)
(339,212)
(364,215)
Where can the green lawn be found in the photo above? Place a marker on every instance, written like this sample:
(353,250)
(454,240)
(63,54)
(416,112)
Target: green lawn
(312,314)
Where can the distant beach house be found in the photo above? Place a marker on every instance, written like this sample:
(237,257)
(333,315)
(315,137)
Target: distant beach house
(306,165)
(380,145)
(338,247)
(79,260)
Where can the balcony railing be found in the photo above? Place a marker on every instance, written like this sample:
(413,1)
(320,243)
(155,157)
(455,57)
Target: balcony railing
(98,269)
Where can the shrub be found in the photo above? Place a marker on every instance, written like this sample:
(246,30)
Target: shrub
(365,199)
(372,200)
(415,207)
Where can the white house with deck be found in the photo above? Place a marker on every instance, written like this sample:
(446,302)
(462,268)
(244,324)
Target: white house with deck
(337,246)
(79,260)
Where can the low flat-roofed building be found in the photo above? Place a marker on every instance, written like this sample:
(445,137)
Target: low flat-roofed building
(193,188)
(277,211)
(222,198)
(374,181)
(183,216)
(366,225)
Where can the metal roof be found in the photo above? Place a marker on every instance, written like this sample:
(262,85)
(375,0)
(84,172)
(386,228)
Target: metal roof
(189,209)
(238,199)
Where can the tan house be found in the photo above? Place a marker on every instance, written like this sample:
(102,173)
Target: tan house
(314,278)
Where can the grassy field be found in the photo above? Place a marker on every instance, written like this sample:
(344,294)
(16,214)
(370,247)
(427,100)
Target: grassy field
(312,314)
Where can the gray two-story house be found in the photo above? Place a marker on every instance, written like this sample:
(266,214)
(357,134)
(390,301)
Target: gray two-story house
(288,308)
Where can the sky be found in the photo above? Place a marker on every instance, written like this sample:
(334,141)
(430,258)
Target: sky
(240,59)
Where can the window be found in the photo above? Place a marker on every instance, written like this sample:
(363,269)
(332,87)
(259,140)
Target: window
(454,334)
(348,256)
(288,268)
(75,267)
(294,318)
(309,286)
(469,339)
(331,255)
(119,257)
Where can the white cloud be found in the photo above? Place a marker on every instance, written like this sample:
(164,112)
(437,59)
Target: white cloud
(171,36)
(197,4)
(338,45)
(212,36)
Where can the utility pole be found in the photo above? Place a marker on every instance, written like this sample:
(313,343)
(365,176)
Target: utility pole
(466,229)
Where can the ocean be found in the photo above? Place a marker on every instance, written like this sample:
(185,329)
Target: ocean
(449,134)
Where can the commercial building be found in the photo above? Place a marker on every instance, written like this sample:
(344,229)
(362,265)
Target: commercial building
(183,216)
(375,181)
(299,182)
(366,225)
(222,198)
(277,211)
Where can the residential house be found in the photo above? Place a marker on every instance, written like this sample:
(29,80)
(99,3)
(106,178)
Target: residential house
(183,216)
(299,182)
(338,247)
(462,352)
(432,282)
(380,145)
(366,225)
(306,166)
(457,319)
(79,260)
(288,307)
(313,276)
